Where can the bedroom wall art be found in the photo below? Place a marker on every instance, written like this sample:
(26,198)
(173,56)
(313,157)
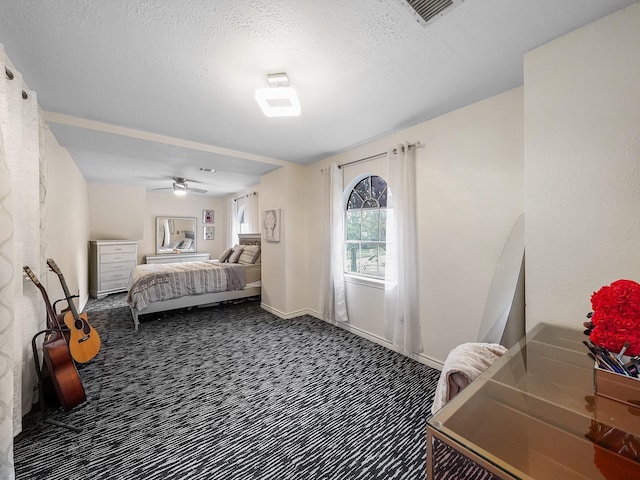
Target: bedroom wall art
(271,224)
(207,216)
(209,233)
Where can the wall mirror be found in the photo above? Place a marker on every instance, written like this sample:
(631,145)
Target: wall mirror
(175,234)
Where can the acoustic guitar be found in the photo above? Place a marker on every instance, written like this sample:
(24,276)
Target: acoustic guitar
(57,358)
(84,341)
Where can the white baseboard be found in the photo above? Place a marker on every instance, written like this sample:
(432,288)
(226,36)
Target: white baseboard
(356,331)
(285,316)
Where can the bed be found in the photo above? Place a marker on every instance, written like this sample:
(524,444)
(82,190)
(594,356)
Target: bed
(234,275)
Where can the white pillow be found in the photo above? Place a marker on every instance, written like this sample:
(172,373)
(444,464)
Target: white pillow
(250,253)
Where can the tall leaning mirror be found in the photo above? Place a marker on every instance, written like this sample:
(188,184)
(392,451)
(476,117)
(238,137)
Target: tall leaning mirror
(175,234)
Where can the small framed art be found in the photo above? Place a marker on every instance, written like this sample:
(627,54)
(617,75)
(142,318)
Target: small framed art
(209,233)
(207,216)
(271,225)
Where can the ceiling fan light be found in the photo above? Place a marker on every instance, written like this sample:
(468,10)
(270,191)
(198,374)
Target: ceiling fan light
(278,101)
(179,189)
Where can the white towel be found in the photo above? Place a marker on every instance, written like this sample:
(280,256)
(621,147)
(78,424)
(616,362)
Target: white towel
(463,364)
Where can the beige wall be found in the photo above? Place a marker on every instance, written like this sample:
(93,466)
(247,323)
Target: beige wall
(67,222)
(124,212)
(168,204)
(284,263)
(470,192)
(582,125)
(274,254)
(117,211)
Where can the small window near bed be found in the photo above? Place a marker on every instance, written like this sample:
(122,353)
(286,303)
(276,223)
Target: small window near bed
(365,228)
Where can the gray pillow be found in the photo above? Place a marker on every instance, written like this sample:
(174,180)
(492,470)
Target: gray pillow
(235,254)
(225,255)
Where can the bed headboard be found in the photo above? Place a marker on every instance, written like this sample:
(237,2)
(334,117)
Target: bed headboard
(249,238)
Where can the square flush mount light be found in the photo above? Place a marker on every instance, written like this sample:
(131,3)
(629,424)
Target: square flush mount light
(279,100)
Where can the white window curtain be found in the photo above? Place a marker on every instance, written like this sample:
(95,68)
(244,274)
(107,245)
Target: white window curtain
(232,223)
(402,319)
(248,204)
(22,312)
(333,298)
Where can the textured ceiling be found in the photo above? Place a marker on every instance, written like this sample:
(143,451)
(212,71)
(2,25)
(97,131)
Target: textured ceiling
(142,90)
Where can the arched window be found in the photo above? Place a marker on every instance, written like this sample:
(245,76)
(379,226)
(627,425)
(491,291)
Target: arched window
(365,228)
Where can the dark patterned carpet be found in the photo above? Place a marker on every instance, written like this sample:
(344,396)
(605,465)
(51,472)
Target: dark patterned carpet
(233,392)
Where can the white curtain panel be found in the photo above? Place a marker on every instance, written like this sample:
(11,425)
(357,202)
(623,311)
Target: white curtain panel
(232,223)
(22,312)
(44,172)
(7,311)
(333,298)
(248,203)
(402,320)
(252,214)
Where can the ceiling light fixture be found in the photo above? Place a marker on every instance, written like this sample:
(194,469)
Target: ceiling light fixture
(179,189)
(211,170)
(279,100)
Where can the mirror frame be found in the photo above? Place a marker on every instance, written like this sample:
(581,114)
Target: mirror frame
(164,230)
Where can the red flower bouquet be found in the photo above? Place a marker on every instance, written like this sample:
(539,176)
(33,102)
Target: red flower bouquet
(616,317)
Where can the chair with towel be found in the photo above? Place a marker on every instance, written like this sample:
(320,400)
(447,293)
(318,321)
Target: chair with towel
(463,364)
(502,325)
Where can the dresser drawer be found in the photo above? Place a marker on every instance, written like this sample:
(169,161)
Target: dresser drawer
(117,266)
(114,284)
(122,275)
(117,257)
(130,248)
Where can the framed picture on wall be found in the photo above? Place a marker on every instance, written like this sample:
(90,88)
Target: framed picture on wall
(207,216)
(209,233)
(271,224)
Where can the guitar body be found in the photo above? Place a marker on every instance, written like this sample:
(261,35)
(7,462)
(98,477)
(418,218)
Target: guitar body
(84,341)
(64,375)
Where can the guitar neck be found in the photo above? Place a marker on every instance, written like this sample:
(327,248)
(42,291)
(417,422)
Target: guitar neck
(54,268)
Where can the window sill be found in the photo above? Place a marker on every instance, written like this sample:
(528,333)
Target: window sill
(365,281)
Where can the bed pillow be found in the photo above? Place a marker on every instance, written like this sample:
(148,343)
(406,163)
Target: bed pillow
(225,255)
(235,254)
(249,255)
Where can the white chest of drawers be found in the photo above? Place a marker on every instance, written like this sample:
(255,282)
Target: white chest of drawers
(110,264)
(177,257)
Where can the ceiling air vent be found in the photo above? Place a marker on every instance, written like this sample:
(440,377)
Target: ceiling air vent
(430,10)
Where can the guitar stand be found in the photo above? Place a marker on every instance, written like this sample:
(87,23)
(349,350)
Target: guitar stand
(64,300)
(43,405)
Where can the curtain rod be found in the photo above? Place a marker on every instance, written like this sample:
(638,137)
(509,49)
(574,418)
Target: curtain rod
(244,196)
(11,76)
(377,155)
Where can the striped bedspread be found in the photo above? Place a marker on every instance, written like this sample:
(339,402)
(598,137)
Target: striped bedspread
(156,282)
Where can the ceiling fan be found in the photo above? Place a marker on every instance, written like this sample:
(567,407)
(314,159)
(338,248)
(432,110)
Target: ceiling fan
(180,187)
